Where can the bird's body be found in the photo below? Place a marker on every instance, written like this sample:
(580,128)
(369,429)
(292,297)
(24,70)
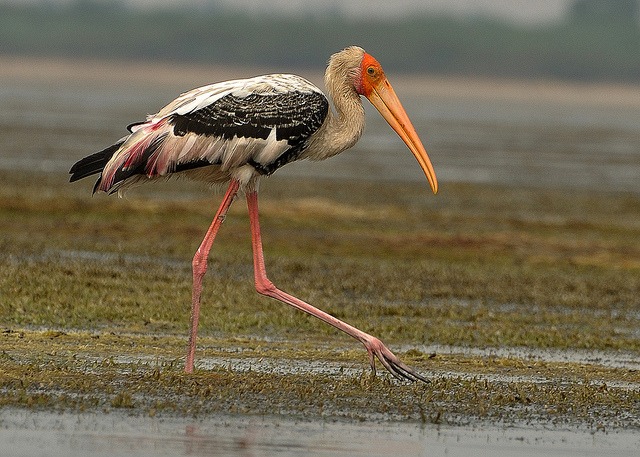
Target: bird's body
(237,131)
(240,129)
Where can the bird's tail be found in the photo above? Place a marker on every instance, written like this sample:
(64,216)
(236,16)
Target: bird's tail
(93,164)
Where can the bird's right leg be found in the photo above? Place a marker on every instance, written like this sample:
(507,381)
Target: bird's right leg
(199,265)
(374,346)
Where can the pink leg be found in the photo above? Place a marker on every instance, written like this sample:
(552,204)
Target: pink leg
(200,268)
(264,286)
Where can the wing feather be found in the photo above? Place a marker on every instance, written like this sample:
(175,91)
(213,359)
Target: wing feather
(263,122)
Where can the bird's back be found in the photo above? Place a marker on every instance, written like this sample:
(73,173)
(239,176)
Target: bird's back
(235,129)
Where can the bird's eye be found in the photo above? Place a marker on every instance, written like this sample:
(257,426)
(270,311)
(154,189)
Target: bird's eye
(371,71)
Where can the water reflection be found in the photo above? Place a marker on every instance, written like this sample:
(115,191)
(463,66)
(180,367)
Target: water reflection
(52,434)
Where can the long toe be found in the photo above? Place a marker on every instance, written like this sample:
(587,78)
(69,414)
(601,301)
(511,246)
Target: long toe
(391,362)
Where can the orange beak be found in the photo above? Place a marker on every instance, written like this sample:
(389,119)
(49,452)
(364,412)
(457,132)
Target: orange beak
(384,98)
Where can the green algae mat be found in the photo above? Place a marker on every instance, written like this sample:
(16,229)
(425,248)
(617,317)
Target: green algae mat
(520,305)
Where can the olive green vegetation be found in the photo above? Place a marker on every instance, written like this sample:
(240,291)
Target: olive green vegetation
(95,298)
(143,375)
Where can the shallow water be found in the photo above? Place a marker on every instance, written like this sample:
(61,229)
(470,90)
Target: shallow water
(534,135)
(30,433)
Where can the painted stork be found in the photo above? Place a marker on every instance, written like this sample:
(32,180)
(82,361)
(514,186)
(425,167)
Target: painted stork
(237,131)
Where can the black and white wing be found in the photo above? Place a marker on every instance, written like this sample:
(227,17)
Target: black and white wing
(242,127)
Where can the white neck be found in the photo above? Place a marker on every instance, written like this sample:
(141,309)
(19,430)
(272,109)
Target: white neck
(344,127)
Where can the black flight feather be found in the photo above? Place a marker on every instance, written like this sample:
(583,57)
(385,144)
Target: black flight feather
(92,164)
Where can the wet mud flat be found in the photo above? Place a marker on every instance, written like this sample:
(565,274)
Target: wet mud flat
(517,304)
(143,375)
(70,393)
(73,393)
(526,325)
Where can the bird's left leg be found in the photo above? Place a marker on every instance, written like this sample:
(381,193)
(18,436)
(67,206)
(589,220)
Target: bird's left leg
(264,286)
(199,265)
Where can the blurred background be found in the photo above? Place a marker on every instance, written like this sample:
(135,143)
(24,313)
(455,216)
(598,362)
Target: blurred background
(530,112)
(584,40)
(516,92)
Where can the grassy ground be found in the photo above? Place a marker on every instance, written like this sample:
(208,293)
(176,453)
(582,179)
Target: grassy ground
(95,300)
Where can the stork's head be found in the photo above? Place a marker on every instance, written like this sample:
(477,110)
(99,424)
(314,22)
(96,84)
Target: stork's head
(370,81)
